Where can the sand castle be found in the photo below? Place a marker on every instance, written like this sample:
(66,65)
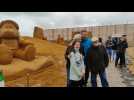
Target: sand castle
(60,40)
(11,45)
(39,33)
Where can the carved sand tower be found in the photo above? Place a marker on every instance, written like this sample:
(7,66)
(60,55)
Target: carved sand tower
(60,40)
(39,33)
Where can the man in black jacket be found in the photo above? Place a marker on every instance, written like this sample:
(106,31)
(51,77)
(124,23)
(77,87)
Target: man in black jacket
(109,45)
(121,50)
(114,47)
(97,62)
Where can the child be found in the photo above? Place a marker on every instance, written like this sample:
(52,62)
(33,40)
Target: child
(68,50)
(77,68)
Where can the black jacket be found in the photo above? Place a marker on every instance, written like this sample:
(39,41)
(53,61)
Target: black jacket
(108,44)
(114,42)
(97,59)
(121,46)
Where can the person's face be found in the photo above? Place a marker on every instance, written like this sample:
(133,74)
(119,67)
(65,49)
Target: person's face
(109,38)
(95,43)
(84,35)
(125,38)
(122,38)
(77,45)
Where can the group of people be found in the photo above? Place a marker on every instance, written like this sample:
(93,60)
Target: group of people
(116,49)
(86,57)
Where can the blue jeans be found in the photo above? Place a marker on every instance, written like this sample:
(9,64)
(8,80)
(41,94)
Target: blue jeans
(113,55)
(103,78)
(109,51)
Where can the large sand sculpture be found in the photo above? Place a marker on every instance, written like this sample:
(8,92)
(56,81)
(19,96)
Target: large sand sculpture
(18,57)
(48,69)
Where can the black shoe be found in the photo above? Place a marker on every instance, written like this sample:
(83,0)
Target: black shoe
(116,65)
(84,84)
(124,65)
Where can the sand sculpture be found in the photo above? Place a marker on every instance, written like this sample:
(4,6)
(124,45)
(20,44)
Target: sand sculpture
(11,45)
(39,33)
(60,40)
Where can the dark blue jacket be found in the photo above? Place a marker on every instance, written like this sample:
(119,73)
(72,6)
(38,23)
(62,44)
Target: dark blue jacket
(86,45)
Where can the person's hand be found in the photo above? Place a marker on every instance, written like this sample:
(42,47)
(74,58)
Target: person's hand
(83,74)
(68,56)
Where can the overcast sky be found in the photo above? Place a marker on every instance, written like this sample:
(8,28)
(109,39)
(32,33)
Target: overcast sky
(27,20)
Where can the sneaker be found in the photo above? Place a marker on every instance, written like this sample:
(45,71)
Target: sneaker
(116,65)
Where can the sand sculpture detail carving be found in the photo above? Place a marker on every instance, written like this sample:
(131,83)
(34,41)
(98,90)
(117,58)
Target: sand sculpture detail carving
(11,44)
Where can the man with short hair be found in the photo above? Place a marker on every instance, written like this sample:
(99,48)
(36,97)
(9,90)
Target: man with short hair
(114,47)
(97,62)
(124,46)
(86,44)
(109,47)
(121,50)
